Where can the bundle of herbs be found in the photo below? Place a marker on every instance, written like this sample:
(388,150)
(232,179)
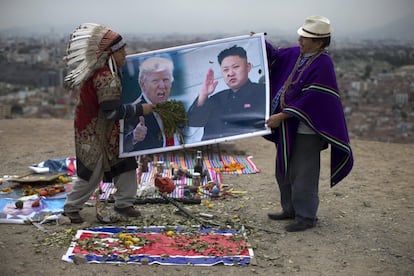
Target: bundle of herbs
(173,116)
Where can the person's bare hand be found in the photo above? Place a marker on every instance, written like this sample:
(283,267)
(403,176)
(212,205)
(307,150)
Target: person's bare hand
(140,130)
(275,120)
(147,108)
(208,87)
(253,33)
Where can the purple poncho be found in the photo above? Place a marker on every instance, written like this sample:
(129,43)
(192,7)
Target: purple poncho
(313,100)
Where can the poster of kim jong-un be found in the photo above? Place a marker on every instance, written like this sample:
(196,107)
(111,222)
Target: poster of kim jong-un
(217,90)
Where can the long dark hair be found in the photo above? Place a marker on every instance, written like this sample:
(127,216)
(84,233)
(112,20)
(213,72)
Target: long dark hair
(326,41)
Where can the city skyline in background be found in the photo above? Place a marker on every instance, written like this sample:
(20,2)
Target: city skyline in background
(375,68)
(350,18)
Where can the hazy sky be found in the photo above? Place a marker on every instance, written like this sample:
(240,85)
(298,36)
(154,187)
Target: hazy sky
(201,16)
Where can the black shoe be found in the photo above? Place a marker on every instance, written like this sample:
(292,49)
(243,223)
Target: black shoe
(280,216)
(298,226)
(74,217)
(128,211)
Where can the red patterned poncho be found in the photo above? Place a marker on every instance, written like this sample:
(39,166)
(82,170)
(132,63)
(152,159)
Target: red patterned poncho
(95,135)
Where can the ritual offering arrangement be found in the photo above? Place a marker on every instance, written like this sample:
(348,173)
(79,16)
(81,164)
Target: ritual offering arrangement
(160,245)
(173,116)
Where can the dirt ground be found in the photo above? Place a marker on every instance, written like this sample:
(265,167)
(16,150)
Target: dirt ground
(366,223)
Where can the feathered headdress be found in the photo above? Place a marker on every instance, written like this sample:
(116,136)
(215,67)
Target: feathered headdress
(88,50)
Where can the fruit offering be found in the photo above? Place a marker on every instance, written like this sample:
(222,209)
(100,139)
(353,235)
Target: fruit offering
(19,204)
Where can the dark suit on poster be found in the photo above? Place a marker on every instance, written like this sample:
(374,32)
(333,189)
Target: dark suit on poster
(154,137)
(227,113)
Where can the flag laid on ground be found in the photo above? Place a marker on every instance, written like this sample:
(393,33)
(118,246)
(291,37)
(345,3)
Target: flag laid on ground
(179,245)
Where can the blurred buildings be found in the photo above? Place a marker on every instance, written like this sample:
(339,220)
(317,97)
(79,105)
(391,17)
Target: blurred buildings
(376,79)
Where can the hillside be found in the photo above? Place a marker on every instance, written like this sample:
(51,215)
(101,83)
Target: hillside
(365,223)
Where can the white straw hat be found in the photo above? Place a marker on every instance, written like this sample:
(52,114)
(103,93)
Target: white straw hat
(316,26)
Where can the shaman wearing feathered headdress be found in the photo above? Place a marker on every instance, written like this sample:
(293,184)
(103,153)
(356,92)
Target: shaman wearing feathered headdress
(89,48)
(94,54)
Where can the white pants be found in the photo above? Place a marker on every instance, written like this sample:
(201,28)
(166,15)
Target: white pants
(125,184)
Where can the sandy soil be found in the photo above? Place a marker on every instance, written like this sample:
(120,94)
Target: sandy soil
(365,223)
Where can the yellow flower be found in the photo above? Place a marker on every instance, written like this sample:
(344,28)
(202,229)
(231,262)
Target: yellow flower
(128,243)
(124,236)
(135,240)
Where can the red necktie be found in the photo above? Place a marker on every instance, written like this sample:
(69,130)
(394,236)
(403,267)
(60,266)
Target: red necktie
(71,166)
(169,141)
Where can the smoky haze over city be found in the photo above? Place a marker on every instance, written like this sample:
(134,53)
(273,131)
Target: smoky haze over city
(350,18)
(372,47)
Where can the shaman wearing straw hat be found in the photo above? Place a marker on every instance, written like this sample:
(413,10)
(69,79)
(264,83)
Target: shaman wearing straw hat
(307,117)
(95,53)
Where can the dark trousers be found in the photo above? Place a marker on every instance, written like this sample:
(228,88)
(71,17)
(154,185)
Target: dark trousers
(299,189)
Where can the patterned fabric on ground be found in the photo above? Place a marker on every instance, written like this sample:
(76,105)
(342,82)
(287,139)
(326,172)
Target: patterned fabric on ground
(216,165)
(161,245)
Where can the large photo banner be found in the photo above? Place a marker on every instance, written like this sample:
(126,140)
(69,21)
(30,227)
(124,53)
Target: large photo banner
(218,90)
